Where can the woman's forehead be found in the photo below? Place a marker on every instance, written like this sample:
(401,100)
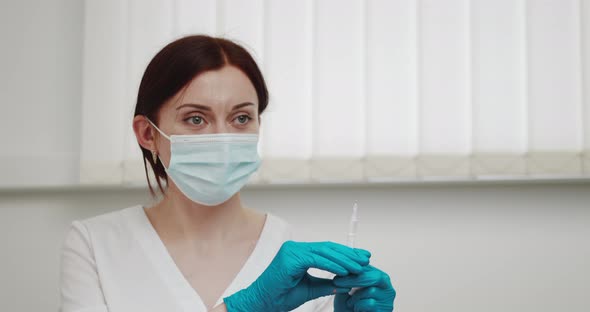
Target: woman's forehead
(220,89)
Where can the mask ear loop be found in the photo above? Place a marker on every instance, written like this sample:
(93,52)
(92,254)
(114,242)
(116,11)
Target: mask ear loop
(153,125)
(154,152)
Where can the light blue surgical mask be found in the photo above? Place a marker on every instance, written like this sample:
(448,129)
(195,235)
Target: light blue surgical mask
(210,168)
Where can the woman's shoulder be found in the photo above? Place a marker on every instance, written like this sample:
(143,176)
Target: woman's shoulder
(109,227)
(113,218)
(113,222)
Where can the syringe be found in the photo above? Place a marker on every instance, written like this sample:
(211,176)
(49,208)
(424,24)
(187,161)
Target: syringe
(352,234)
(352,226)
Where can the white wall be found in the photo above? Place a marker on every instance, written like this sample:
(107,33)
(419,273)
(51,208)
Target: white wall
(448,248)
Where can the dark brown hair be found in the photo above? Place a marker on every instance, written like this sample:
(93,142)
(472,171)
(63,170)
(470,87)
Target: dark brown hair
(179,63)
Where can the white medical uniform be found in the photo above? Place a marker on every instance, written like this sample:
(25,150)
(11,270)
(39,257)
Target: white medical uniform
(116,262)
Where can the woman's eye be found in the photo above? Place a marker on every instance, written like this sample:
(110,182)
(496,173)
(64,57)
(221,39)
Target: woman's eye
(243,119)
(196,120)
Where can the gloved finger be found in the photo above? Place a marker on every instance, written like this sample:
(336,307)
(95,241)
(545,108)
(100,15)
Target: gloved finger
(363,293)
(366,305)
(318,262)
(340,258)
(340,303)
(319,287)
(363,251)
(360,256)
(344,249)
(370,276)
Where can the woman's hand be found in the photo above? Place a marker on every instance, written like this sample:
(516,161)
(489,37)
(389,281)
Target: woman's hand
(285,284)
(376,292)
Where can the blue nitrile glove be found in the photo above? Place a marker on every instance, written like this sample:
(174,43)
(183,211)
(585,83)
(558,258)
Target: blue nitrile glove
(285,284)
(375,294)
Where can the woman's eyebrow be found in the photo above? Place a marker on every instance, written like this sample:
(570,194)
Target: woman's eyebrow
(238,106)
(207,108)
(199,106)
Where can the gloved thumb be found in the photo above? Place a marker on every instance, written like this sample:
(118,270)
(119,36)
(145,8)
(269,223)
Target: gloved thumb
(319,287)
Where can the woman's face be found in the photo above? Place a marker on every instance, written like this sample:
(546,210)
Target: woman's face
(220,101)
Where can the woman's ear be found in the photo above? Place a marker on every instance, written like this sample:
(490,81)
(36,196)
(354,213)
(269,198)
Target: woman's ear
(144,133)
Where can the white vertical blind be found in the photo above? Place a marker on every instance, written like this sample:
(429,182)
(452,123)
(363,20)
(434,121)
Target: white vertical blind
(105,88)
(499,80)
(555,107)
(366,90)
(288,73)
(444,79)
(339,93)
(195,16)
(392,90)
(498,77)
(554,78)
(585,76)
(244,21)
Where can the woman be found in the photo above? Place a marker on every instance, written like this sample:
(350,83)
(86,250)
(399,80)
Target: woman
(197,120)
